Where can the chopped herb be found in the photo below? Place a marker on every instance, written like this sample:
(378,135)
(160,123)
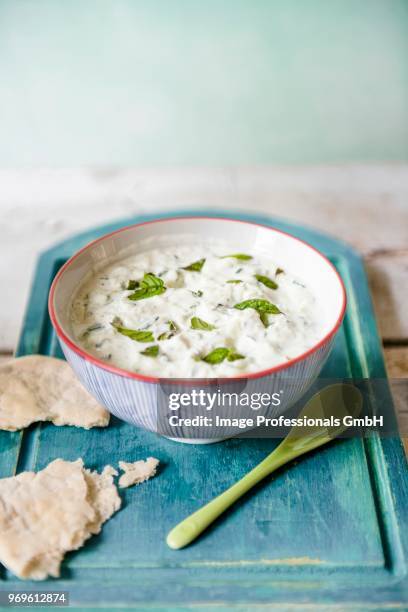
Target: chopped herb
(240,256)
(99,344)
(196,266)
(168,334)
(268,282)
(132,285)
(233,356)
(144,326)
(263,308)
(264,318)
(150,285)
(197,323)
(151,351)
(197,293)
(138,335)
(92,328)
(218,355)
(279,271)
(234,281)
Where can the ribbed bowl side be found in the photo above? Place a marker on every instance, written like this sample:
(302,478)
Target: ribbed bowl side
(145,403)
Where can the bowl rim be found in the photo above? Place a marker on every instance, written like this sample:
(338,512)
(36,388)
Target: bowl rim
(154,379)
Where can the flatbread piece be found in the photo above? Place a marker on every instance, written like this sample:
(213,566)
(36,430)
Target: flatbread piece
(39,388)
(47,513)
(137,472)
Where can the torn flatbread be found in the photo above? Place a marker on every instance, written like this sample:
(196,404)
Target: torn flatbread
(137,472)
(38,388)
(47,513)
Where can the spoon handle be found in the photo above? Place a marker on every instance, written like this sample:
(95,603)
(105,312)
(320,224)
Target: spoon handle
(190,528)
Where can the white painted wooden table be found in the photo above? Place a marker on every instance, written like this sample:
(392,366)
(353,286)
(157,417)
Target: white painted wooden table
(365,205)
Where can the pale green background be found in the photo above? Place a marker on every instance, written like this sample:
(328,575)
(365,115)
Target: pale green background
(202,82)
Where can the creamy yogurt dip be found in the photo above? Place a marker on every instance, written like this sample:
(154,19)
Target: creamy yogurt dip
(191,311)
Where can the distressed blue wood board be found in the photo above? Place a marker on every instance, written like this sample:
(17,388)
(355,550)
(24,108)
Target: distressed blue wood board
(331,530)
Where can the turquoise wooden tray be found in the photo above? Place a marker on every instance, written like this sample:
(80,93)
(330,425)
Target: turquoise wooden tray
(331,530)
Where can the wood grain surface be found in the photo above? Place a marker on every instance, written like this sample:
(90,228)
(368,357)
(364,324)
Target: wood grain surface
(396,359)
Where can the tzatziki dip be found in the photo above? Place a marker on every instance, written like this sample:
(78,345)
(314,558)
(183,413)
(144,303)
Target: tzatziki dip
(192,311)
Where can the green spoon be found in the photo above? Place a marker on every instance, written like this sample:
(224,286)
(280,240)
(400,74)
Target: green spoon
(336,401)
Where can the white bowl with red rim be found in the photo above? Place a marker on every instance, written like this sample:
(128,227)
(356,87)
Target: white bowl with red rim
(138,398)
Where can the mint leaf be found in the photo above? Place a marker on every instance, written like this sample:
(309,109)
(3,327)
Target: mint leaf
(216,356)
(197,323)
(219,354)
(138,335)
(234,281)
(279,271)
(132,285)
(263,308)
(150,285)
(151,351)
(259,305)
(240,256)
(197,293)
(196,266)
(268,282)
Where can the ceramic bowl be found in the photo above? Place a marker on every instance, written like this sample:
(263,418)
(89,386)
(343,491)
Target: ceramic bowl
(141,399)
